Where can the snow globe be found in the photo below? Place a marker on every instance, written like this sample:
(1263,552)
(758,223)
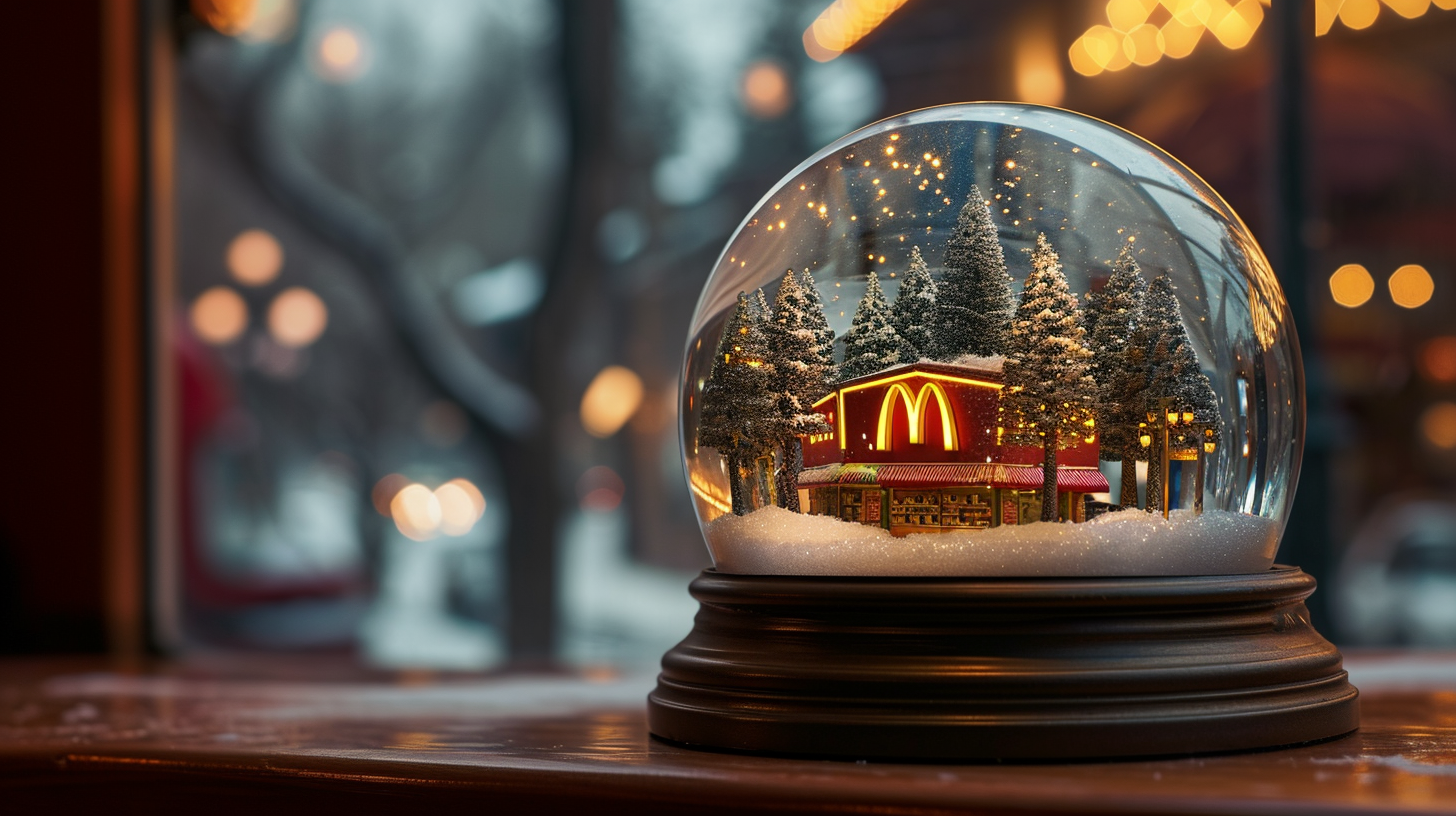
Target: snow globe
(992,417)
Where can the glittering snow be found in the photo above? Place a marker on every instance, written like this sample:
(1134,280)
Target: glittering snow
(774,541)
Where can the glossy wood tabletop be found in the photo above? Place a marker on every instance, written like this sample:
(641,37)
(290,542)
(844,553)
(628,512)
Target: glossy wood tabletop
(301,737)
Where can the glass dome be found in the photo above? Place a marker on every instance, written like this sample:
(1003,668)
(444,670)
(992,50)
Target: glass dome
(992,339)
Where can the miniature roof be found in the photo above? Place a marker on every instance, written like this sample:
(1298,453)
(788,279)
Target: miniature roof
(984,368)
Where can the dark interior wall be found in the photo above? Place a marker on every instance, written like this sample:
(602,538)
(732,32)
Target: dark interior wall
(51,330)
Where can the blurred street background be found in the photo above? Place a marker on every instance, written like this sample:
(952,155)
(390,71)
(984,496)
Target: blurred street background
(419,276)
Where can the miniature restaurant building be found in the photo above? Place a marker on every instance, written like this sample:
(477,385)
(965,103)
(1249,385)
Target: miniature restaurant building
(914,449)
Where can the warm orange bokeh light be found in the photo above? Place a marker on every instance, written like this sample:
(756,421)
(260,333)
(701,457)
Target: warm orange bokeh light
(1411,286)
(297,317)
(340,55)
(610,400)
(461,505)
(219,315)
(230,17)
(1351,285)
(1358,14)
(766,92)
(1438,425)
(844,23)
(1037,70)
(254,257)
(1438,359)
(416,512)
(384,492)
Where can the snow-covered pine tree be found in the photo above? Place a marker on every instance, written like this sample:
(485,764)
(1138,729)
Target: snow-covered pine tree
(739,414)
(1048,397)
(1174,376)
(871,343)
(974,303)
(818,322)
(913,314)
(1113,317)
(760,307)
(798,379)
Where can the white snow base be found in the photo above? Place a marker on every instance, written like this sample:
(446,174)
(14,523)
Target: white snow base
(774,541)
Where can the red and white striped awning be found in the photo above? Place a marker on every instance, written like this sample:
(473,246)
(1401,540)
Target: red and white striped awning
(1017,477)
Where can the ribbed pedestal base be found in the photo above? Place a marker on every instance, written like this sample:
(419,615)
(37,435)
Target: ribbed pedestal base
(1062,668)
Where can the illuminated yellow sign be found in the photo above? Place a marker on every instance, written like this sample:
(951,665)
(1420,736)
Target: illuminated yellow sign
(915,413)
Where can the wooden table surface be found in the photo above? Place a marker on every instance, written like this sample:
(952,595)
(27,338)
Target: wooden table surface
(301,737)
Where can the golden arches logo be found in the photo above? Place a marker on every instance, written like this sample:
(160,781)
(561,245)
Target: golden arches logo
(915,413)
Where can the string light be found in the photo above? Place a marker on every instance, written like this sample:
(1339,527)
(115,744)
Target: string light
(1141,32)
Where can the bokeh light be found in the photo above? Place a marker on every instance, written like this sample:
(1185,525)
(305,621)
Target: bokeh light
(219,315)
(1037,70)
(297,317)
(1179,38)
(340,55)
(844,23)
(766,91)
(230,17)
(1358,14)
(384,492)
(600,489)
(1351,285)
(254,257)
(416,512)
(1438,359)
(461,505)
(1411,286)
(1438,425)
(611,399)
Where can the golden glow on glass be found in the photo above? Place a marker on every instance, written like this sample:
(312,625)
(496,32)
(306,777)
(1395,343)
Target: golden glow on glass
(1411,286)
(1351,285)
(611,399)
(844,23)
(915,415)
(254,257)
(219,315)
(710,493)
(297,317)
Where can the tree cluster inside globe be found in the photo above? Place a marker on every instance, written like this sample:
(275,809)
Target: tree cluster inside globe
(952,424)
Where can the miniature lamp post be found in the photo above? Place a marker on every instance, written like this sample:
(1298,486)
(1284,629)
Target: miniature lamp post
(878,408)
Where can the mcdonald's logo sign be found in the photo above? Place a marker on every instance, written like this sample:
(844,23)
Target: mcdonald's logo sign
(915,413)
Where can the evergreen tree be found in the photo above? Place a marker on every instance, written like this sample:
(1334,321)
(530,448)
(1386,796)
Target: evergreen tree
(871,344)
(1175,381)
(800,377)
(974,303)
(1048,397)
(913,314)
(739,415)
(1113,318)
(818,323)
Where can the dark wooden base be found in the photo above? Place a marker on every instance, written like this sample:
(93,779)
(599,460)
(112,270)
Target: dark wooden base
(1002,669)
